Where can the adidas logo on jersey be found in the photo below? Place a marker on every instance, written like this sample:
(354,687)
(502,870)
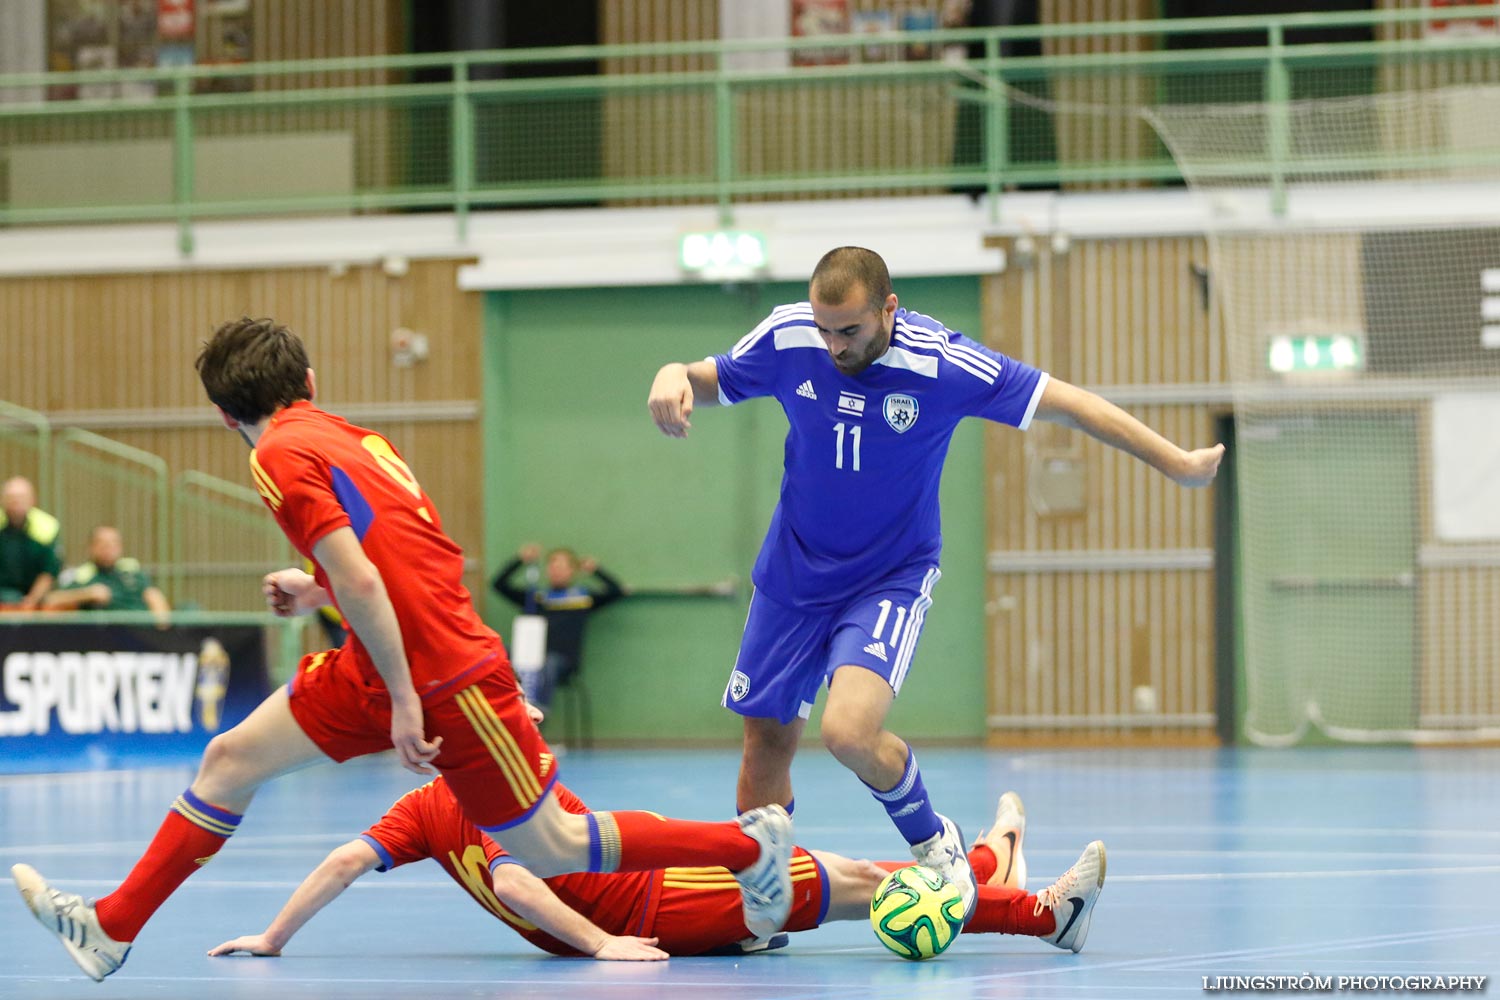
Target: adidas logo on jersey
(877,649)
(805,390)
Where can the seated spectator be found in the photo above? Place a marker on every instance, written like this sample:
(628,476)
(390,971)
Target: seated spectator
(563,602)
(110,580)
(30,556)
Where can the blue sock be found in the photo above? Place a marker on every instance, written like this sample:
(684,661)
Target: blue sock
(791,807)
(907,804)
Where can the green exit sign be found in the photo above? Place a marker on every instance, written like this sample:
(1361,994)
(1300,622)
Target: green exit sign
(1335,352)
(724,255)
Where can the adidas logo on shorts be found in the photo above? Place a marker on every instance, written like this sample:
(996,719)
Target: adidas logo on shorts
(877,648)
(805,390)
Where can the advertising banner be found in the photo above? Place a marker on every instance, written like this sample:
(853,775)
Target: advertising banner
(77,696)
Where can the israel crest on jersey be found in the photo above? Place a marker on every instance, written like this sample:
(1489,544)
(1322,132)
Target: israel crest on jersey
(739,685)
(900,412)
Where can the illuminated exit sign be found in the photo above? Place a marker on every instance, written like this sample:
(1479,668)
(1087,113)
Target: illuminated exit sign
(726,255)
(1315,353)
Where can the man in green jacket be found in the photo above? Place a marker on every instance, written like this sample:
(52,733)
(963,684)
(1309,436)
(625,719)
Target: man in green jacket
(110,580)
(30,556)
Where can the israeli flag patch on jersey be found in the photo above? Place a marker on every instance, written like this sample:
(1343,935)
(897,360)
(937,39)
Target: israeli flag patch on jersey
(900,412)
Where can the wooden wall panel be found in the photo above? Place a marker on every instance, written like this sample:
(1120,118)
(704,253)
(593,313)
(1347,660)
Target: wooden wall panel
(804,129)
(1069,651)
(1098,120)
(330,29)
(114,353)
(1088,621)
(1460,638)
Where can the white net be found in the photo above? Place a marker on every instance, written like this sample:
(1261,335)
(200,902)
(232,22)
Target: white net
(1356,255)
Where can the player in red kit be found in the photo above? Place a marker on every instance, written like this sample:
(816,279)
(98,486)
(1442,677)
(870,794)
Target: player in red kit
(419,672)
(675,911)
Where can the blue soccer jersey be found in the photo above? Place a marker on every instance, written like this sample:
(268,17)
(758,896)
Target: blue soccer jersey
(864,454)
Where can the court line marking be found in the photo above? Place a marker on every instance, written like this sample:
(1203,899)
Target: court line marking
(1114,880)
(1155,964)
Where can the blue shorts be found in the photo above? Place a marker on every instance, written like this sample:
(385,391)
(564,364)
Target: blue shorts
(786,654)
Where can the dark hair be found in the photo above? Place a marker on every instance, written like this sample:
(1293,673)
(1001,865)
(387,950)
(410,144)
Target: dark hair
(253,367)
(843,269)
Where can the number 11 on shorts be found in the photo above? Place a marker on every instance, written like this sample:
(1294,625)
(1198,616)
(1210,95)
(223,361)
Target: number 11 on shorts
(885,610)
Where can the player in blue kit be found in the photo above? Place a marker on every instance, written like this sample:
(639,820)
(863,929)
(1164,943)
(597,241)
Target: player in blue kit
(872,393)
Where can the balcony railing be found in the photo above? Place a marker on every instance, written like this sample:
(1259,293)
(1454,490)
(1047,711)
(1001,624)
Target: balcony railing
(721,123)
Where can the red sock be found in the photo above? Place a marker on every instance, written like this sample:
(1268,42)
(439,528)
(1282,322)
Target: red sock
(983,861)
(1003,910)
(641,841)
(191,834)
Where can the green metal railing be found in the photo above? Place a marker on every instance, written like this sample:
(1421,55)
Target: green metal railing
(30,433)
(101,481)
(222,542)
(421,132)
(206,540)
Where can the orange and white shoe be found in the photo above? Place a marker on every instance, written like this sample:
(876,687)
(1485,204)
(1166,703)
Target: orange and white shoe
(1004,838)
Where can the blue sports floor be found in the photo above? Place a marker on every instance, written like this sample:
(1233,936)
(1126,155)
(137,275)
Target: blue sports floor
(1369,862)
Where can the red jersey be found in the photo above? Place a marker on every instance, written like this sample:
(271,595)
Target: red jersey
(318,472)
(427,822)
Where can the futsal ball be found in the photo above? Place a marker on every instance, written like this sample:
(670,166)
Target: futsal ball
(916,912)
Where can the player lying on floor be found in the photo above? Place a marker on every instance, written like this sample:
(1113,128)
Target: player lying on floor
(646,916)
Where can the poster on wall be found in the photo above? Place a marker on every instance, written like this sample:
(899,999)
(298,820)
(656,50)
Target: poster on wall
(812,18)
(1439,29)
(875,24)
(137,46)
(919,19)
(176,32)
(79,32)
(228,31)
(81,696)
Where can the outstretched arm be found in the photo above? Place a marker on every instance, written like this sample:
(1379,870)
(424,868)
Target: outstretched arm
(533,899)
(505,586)
(337,872)
(610,592)
(1071,406)
(851,883)
(677,389)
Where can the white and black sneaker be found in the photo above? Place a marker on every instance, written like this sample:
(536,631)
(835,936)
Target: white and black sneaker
(944,853)
(1072,897)
(766,886)
(73,920)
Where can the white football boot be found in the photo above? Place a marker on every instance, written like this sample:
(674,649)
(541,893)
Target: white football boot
(766,886)
(944,853)
(1072,897)
(73,920)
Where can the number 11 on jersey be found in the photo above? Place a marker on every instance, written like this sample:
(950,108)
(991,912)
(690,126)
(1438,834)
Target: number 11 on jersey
(854,433)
